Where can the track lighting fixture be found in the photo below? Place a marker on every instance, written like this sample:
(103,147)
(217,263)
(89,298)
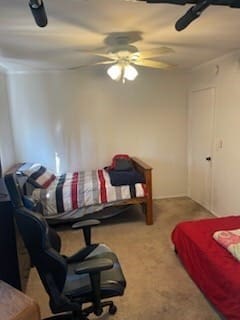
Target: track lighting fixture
(38,12)
(193,13)
(40,16)
(196,10)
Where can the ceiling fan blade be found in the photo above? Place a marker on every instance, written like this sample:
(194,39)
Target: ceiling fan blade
(154,64)
(155,52)
(99,54)
(92,64)
(104,62)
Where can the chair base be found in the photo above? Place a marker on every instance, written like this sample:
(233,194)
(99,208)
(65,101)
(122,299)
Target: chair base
(83,314)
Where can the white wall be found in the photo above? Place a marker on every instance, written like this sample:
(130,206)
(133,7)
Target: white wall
(7,153)
(224,75)
(87,118)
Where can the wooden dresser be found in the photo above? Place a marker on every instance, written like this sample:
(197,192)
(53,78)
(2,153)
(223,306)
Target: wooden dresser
(15,305)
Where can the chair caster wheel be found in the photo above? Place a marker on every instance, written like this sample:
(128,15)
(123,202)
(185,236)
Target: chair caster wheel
(98,311)
(112,309)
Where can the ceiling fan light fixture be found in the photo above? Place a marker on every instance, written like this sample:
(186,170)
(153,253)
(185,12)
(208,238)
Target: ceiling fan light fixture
(115,72)
(130,73)
(119,71)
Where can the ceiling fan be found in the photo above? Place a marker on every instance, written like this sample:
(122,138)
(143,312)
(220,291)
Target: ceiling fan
(122,56)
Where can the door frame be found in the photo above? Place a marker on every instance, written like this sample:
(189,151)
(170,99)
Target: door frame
(212,149)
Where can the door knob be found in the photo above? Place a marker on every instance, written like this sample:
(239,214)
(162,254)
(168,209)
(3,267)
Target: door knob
(208,159)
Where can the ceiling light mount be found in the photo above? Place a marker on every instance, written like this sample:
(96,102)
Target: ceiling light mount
(121,48)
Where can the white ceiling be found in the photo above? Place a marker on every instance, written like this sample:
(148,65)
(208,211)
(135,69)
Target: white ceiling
(77,26)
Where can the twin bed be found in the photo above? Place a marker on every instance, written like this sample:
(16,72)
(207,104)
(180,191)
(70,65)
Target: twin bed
(211,266)
(73,195)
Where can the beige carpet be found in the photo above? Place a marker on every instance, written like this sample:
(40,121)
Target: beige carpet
(157,285)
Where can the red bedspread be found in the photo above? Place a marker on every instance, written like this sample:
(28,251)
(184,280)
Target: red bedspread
(213,268)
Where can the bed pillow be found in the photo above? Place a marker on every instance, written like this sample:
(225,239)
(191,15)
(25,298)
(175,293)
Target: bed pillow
(230,240)
(38,175)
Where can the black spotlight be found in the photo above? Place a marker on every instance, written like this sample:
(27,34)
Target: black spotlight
(192,14)
(38,12)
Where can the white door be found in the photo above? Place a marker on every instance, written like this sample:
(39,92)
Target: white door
(201,127)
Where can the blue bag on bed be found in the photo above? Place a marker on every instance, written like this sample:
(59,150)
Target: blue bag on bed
(122,171)
(128,177)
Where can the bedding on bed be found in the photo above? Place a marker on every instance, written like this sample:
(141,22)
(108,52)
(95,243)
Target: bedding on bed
(230,240)
(75,190)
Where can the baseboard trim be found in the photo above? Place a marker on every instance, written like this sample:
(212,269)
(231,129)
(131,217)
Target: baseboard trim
(171,196)
(215,214)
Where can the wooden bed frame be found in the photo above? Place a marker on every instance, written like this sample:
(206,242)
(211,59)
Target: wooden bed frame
(146,170)
(146,201)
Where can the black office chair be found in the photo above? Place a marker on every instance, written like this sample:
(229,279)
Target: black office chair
(88,276)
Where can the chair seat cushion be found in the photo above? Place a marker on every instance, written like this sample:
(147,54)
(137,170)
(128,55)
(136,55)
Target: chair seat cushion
(79,286)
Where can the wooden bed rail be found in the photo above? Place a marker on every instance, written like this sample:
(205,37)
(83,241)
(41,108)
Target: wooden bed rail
(146,170)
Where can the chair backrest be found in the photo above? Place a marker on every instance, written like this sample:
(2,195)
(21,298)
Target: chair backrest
(51,266)
(14,190)
(16,197)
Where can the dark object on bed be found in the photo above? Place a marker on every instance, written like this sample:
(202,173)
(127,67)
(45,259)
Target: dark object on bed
(146,201)
(121,162)
(88,276)
(125,177)
(215,271)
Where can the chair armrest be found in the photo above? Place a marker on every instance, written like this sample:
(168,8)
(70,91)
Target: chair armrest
(81,254)
(86,227)
(86,223)
(94,266)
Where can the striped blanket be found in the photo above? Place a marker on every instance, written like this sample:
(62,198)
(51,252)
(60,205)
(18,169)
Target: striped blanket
(80,189)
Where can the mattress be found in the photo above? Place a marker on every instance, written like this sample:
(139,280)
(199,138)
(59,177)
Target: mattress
(215,271)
